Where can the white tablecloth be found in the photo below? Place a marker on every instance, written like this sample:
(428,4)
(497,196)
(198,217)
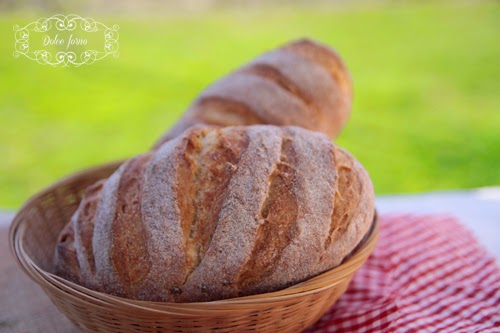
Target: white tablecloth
(478,209)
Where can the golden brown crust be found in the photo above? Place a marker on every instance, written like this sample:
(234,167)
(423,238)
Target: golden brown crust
(127,230)
(279,220)
(323,55)
(327,58)
(219,213)
(65,257)
(303,83)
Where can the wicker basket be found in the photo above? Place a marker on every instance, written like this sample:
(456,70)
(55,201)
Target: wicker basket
(33,236)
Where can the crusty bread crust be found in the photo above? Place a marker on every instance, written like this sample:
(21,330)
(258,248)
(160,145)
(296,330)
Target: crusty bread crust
(218,213)
(303,83)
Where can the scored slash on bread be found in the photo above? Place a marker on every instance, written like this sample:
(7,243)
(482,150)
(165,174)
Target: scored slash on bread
(219,213)
(303,83)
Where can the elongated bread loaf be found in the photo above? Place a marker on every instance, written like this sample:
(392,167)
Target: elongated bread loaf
(303,83)
(218,213)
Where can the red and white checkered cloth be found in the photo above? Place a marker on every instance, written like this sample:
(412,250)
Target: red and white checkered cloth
(427,274)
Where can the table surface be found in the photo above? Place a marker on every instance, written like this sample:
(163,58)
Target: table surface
(25,308)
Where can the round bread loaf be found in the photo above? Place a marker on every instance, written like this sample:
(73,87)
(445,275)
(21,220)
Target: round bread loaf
(303,83)
(218,213)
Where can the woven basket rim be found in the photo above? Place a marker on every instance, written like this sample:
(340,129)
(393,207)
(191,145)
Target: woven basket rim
(16,221)
(57,284)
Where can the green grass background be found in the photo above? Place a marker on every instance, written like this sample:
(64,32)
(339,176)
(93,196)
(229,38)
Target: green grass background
(426,112)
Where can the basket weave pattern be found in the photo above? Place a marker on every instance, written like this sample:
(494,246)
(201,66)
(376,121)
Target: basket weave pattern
(33,236)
